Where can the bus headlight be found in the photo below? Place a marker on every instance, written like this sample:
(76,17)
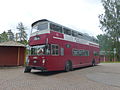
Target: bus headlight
(43,61)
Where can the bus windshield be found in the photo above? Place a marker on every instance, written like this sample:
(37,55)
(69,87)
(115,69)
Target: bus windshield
(40,50)
(39,27)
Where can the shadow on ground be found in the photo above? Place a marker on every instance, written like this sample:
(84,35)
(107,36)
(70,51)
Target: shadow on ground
(49,73)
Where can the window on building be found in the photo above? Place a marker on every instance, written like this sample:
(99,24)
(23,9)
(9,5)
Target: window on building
(54,50)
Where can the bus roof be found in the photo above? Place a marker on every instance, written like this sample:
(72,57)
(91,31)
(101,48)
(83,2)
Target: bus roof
(42,20)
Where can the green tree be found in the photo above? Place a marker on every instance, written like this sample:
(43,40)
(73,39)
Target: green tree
(110,23)
(106,45)
(22,35)
(4,37)
(105,42)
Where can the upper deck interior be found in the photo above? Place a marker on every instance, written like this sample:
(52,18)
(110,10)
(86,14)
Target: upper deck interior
(46,25)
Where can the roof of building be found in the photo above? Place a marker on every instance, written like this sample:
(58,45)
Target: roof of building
(12,43)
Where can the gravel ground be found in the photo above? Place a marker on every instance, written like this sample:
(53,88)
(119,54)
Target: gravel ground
(101,77)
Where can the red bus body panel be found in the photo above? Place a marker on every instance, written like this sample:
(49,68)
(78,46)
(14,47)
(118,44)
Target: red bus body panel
(54,63)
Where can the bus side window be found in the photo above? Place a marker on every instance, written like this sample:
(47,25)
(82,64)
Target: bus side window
(67,31)
(62,52)
(80,52)
(55,50)
(74,34)
(75,52)
(83,53)
(55,27)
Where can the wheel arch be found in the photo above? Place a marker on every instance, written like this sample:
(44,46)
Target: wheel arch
(71,64)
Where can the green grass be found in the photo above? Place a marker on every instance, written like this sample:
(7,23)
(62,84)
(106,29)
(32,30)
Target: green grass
(111,62)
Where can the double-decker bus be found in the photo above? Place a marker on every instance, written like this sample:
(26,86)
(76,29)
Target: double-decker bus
(55,47)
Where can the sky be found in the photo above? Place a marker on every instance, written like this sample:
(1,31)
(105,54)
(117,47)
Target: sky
(80,15)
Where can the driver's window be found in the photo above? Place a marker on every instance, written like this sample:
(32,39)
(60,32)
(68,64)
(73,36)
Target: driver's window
(40,51)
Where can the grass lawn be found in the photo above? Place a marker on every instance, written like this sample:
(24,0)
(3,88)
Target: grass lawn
(111,62)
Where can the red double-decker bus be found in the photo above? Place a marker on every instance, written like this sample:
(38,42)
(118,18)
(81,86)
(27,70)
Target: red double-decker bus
(55,47)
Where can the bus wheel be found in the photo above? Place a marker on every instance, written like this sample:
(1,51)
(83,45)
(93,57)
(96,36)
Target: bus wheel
(71,67)
(67,66)
(93,63)
(27,69)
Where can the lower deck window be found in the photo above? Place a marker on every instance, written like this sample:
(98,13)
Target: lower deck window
(80,52)
(75,52)
(54,49)
(84,53)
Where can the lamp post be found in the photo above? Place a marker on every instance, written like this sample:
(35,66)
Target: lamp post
(114,51)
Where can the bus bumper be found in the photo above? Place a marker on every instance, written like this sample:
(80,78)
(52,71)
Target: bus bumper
(37,68)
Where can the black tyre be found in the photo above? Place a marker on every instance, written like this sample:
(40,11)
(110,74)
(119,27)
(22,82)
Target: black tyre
(71,68)
(27,69)
(68,66)
(93,63)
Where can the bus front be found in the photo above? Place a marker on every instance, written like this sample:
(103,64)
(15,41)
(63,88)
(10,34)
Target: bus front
(39,47)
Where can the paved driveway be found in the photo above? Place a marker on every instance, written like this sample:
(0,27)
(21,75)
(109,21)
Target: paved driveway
(101,77)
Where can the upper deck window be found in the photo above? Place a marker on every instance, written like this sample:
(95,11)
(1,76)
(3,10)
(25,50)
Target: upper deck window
(74,33)
(67,31)
(55,28)
(39,27)
(42,26)
(80,35)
